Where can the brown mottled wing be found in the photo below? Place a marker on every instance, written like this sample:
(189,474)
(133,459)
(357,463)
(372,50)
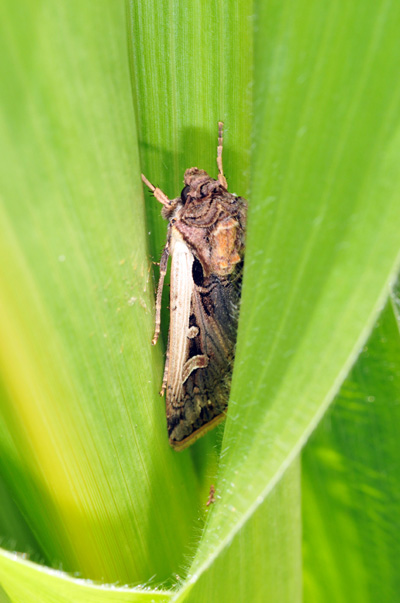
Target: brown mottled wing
(207,373)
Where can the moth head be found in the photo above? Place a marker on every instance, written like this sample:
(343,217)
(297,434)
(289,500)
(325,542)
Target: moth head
(193,176)
(198,185)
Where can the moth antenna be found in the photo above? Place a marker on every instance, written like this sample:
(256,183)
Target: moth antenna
(221,177)
(157,192)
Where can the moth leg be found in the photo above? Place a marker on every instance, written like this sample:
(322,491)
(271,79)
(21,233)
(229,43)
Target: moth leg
(221,177)
(163,272)
(165,375)
(196,362)
(158,193)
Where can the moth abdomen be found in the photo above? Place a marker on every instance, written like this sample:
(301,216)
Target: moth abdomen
(194,419)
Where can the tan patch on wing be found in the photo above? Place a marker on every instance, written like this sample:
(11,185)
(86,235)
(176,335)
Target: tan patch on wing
(225,255)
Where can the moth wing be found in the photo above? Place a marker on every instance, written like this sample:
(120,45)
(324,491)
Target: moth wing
(210,351)
(180,305)
(215,311)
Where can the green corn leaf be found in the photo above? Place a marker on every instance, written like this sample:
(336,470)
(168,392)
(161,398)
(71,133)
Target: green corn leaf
(310,99)
(85,453)
(25,582)
(351,492)
(323,237)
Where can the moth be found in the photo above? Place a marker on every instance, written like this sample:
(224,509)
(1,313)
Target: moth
(206,241)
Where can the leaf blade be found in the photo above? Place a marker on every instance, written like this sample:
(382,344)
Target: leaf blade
(87,426)
(350,491)
(313,289)
(25,581)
